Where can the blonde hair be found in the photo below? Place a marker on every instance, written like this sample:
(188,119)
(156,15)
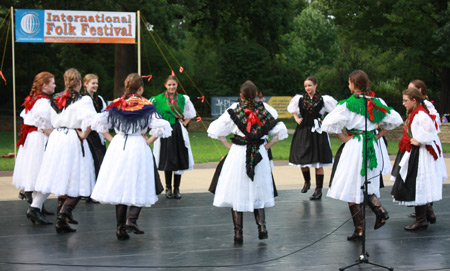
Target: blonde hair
(71,79)
(88,78)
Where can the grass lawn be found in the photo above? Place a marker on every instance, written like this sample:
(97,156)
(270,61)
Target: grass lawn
(204,148)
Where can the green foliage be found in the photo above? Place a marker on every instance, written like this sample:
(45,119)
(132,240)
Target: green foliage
(312,43)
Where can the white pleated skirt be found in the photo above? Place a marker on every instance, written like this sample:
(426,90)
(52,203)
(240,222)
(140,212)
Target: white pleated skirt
(347,181)
(28,161)
(67,166)
(127,174)
(236,190)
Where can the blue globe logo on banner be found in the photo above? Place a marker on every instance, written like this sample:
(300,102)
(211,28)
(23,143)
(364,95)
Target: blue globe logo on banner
(30,23)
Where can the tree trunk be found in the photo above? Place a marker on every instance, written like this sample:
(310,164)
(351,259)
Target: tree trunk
(444,103)
(124,64)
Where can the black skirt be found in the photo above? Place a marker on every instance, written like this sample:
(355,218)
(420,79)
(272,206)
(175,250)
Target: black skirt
(309,147)
(98,150)
(173,155)
(405,190)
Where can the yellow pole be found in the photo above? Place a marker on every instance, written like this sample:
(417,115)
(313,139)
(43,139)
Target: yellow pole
(14,79)
(138,25)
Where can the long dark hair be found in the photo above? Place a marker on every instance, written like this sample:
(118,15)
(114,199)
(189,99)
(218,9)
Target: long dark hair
(420,85)
(132,84)
(415,94)
(361,81)
(248,91)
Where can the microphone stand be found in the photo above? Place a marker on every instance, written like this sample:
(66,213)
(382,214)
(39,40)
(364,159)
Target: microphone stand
(364,256)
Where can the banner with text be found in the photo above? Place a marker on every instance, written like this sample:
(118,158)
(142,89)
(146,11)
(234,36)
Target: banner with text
(72,26)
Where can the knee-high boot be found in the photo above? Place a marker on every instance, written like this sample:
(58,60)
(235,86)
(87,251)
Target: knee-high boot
(421,219)
(68,207)
(237,221)
(121,217)
(61,224)
(318,191)
(60,203)
(260,218)
(357,217)
(168,177)
(307,177)
(378,209)
(431,217)
(176,186)
(133,216)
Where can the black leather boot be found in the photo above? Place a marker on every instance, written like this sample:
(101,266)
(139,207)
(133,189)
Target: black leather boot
(36,216)
(68,207)
(168,177)
(431,217)
(421,220)
(307,177)
(357,217)
(176,185)
(59,205)
(237,221)
(378,209)
(61,224)
(318,191)
(133,216)
(260,218)
(121,217)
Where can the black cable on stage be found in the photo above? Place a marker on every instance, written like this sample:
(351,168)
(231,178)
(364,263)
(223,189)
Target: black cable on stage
(183,266)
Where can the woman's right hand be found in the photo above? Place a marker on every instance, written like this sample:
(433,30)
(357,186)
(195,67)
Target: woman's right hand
(299,120)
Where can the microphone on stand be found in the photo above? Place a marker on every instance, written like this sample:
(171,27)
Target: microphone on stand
(359,95)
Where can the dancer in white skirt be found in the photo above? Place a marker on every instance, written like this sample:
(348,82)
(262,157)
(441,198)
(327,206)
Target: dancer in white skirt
(67,168)
(419,168)
(95,140)
(311,147)
(128,175)
(33,135)
(174,154)
(245,182)
(420,85)
(348,173)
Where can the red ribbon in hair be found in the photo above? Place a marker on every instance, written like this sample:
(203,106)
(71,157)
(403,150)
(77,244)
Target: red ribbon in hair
(61,101)
(120,103)
(370,107)
(252,119)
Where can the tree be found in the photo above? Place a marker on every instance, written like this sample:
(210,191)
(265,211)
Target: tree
(417,30)
(311,44)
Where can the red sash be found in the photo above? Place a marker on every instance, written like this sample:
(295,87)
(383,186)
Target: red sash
(24,131)
(405,142)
